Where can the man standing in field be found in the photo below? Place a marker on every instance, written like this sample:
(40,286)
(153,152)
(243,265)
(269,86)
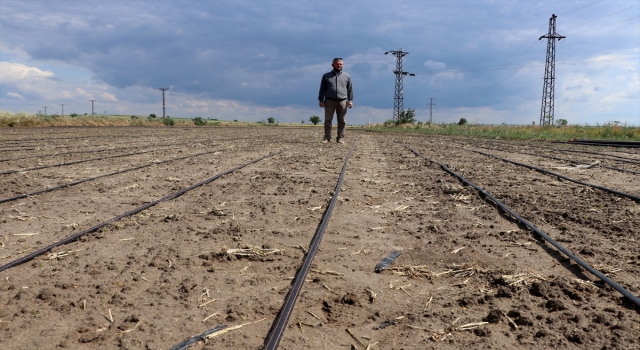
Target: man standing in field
(336,94)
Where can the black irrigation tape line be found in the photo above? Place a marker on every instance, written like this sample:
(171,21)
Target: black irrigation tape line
(615,142)
(154,145)
(101,176)
(606,189)
(603,144)
(71,138)
(96,151)
(83,161)
(16,150)
(615,158)
(95,228)
(566,252)
(187,343)
(563,159)
(280,322)
(597,144)
(555,149)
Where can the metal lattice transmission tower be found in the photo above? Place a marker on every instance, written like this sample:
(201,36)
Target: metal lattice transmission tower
(93,114)
(62,109)
(45,110)
(431,104)
(548,89)
(398,100)
(163,110)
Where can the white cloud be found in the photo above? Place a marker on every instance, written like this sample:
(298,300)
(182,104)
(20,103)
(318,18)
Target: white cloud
(434,65)
(446,77)
(16,73)
(15,95)
(109,97)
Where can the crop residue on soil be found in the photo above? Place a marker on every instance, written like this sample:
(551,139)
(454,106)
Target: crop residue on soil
(467,276)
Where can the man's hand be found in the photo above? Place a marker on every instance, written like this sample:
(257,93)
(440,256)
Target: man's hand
(321,104)
(350,104)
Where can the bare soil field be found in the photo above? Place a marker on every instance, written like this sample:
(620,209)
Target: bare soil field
(225,253)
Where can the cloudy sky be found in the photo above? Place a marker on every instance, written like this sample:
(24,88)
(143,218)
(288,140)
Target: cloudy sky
(250,60)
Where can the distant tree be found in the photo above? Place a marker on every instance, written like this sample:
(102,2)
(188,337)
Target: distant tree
(152,115)
(561,122)
(271,120)
(407,117)
(314,119)
(235,120)
(302,121)
(199,121)
(462,121)
(73,115)
(134,117)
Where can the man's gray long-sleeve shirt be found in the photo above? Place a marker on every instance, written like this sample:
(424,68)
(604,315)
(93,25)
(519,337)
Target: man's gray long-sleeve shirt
(336,85)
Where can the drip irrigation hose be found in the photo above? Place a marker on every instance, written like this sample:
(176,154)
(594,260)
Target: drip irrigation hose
(16,149)
(599,144)
(82,161)
(566,160)
(566,252)
(92,151)
(70,138)
(95,228)
(626,159)
(280,322)
(615,142)
(100,176)
(606,189)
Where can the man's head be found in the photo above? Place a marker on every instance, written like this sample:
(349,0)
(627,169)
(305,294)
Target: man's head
(337,64)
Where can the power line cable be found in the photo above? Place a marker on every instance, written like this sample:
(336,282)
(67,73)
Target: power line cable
(515,66)
(608,25)
(498,70)
(597,2)
(611,14)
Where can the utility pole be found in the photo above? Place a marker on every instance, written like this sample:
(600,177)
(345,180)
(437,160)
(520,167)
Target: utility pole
(431,104)
(398,100)
(93,114)
(548,89)
(45,110)
(163,90)
(62,104)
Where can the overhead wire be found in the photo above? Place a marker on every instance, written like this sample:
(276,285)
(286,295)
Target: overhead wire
(611,14)
(608,25)
(528,63)
(514,66)
(597,2)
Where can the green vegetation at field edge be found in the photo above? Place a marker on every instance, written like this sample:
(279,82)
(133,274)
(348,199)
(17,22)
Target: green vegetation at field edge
(610,131)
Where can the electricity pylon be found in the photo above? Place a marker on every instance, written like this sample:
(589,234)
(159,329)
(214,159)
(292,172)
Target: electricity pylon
(163,90)
(548,89)
(431,104)
(398,100)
